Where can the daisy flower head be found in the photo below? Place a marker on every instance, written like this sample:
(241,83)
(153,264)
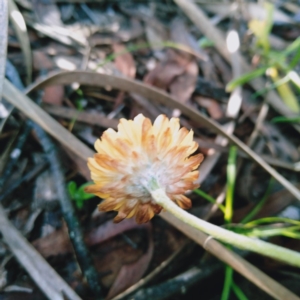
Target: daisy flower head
(139,158)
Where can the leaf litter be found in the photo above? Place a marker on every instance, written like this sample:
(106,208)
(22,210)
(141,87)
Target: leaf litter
(105,38)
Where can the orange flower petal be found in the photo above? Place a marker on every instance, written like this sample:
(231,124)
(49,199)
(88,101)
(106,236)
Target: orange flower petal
(182,201)
(137,153)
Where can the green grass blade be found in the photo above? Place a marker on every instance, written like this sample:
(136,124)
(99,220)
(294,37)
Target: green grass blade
(227,283)
(259,205)
(238,292)
(209,198)
(245,78)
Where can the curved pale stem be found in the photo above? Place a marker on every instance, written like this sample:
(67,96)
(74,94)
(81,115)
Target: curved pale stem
(226,236)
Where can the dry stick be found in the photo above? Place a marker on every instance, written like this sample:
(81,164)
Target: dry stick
(85,117)
(198,17)
(15,154)
(26,178)
(152,93)
(75,145)
(177,285)
(3,40)
(20,30)
(75,233)
(52,285)
(12,74)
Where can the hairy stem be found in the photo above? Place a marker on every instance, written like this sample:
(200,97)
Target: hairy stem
(264,248)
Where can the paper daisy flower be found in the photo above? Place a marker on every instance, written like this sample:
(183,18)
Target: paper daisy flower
(137,158)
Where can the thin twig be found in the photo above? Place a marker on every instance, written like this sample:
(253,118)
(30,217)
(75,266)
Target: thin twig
(177,285)
(75,233)
(3,40)
(89,78)
(26,178)
(15,154)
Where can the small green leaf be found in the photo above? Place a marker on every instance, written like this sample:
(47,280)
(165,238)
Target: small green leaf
(204,42)
(295,45)
(72,186)
(78,195)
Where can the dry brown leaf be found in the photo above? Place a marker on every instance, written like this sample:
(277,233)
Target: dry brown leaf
(129,274)
(125,268)
(124,62)
(178,73)
(41,61)
(55,243)
(58,242)
(109,230)
(54,94)
(184,85)
(212,106)
(163,74)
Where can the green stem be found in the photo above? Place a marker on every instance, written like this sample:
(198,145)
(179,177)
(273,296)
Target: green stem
(227,283)
(231,174)
(136,47)
(238,292)
(226,236)
(210,199)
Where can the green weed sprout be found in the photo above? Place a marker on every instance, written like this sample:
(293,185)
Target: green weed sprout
(77,194)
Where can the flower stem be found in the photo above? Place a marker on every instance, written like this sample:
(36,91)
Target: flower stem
(226,236)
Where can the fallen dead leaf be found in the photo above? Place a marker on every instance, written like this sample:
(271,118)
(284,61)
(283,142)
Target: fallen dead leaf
(57,242)
(41,61)
(111,229)
(212,106)
(177,73)
(54,94)
(129,274)
(124,62)
(165,72)
(184,85)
